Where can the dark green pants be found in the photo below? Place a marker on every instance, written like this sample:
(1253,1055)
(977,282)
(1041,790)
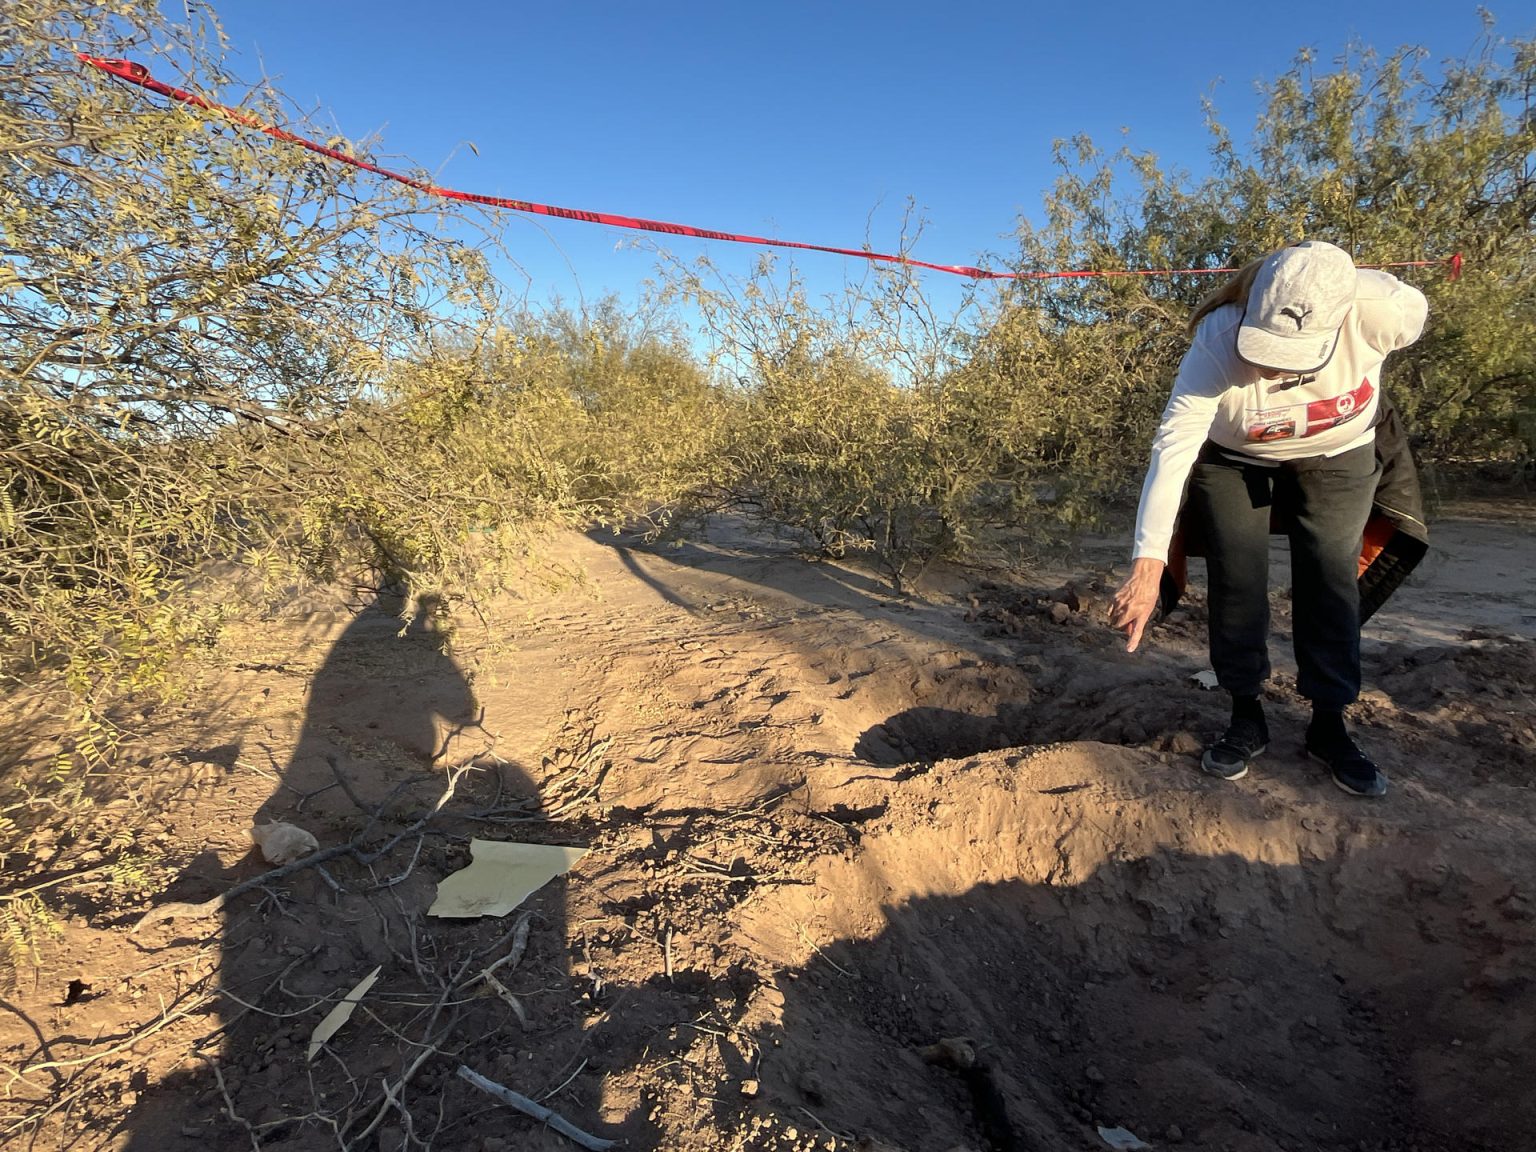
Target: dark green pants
(1322,504)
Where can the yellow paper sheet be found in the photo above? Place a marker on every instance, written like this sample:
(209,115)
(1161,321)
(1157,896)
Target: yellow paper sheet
(502,875)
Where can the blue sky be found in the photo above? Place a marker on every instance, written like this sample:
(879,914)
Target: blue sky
(807,121)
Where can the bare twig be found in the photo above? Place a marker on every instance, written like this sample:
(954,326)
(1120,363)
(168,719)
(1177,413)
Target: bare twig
(335,885)
(509,996)
(17,894)
(806,936)
(409,868)
(816,1120)
(188,911)
(510,960)
(566,1083)
(533,1108)
(391,1096)
(229,1105)
(165,1021)
(514,954)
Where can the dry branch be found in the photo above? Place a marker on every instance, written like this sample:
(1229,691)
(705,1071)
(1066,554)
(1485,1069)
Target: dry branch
(189,911)
(199,911)
(533,1108)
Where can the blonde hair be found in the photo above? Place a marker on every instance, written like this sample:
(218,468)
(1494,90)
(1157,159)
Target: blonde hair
(1233,291)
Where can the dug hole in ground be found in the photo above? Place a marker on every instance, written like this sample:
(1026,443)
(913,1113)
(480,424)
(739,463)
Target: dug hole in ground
(862,872)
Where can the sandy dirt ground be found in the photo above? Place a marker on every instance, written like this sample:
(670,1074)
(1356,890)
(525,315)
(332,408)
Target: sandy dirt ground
(935,872)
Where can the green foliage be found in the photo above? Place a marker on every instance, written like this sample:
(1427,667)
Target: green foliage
(1396,164)
(187,318)
(873,425)
(25,925)
(643,428)
(219,348)
(555,419)
(1380,156)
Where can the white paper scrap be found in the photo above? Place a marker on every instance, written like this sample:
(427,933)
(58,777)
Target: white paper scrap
(1206,679)
(340,1014)
(501,876)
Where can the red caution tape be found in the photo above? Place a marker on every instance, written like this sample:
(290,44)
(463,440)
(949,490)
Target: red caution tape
(135,73)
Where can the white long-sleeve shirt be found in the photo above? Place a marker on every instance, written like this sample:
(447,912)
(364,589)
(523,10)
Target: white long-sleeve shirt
(1220,397)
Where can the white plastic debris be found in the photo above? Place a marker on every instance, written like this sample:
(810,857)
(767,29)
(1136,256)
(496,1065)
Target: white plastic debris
(1121,1140)
(1206,679)
(340,1014)
(283,843)
(501,876)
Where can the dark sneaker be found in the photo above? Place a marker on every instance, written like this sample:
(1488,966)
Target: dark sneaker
(1353,771)
(1228,758)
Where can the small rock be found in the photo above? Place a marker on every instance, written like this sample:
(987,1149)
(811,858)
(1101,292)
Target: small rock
(1060,613)
(951,1052)
(1093,1074)
(750,1088)
(1184,744)
(282,843)
(1174,1134)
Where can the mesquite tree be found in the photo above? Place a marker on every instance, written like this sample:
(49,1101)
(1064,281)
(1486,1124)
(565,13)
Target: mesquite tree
(188,310)
(1393,158)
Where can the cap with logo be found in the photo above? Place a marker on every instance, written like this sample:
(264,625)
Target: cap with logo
(1297,307)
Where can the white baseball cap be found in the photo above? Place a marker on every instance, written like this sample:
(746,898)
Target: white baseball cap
(1297,306)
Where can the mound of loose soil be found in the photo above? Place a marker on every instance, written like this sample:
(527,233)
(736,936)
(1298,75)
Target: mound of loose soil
(863,872)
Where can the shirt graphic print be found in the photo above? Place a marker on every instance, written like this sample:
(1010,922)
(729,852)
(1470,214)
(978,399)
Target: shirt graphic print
(1306,419)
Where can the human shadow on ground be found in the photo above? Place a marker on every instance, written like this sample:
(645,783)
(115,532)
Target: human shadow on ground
(390,759)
